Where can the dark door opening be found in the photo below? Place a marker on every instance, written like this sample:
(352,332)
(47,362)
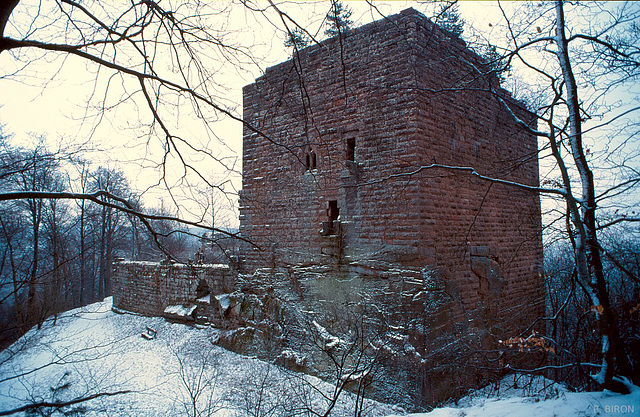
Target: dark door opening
(351,149)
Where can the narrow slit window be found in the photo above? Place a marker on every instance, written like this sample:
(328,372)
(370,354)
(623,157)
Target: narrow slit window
(333,211)
(313,160)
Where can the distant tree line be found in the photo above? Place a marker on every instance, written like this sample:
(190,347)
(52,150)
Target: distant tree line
(57,254)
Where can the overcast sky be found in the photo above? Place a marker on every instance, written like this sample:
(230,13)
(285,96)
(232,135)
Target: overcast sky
(50,98)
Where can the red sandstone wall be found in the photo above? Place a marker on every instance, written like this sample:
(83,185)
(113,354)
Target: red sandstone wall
(487,235)
(318,107)
(484,239)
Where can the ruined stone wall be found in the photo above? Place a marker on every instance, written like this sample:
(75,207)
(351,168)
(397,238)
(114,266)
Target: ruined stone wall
(148,288)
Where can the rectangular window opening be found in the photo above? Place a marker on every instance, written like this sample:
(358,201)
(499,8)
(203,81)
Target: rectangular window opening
(351,149)
(333,211)
(330,227)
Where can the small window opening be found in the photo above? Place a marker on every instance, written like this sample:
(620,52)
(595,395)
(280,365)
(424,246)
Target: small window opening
(313,160)
(333,211)
(307,163)
(351,149)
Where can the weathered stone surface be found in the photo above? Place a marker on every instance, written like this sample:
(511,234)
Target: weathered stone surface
(393,96)
(148,288)
(347,169)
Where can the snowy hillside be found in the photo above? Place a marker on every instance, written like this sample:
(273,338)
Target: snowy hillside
(139,366)
(175,372)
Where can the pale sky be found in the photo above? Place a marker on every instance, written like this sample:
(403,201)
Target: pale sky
(50,98)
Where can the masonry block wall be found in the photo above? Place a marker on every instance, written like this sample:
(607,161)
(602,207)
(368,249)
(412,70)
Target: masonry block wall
(383,131)
(149,287)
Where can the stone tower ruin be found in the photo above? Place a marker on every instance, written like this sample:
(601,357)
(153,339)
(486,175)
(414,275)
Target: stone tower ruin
(368,154)
(347,152)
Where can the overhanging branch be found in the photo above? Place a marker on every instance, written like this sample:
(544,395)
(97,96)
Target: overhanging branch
(61,404)
(469,171)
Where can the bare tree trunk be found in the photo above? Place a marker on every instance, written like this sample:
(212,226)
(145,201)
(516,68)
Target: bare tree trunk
(102,256)
(14,275)
(56,300)
(6,8)
(35,207)
(83,263)
(109,254)
(589,262)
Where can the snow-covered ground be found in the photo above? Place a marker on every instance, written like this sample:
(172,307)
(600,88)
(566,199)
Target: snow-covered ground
(539,398)
(170,370)
(157,368)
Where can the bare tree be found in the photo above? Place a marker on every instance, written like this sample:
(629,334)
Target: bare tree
(110,221)
(83,184)
(152,58)
(57,294)
(163,57)
(197,374)
(37,173)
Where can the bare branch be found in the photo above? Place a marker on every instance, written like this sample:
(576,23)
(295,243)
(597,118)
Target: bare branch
(469,170)
(61,404)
